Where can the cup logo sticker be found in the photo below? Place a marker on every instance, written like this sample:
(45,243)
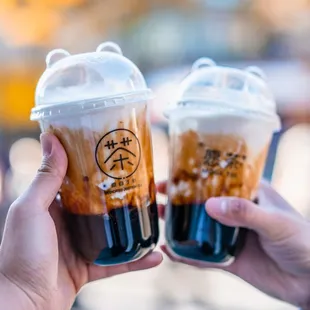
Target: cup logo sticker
(219,163)
(118,153)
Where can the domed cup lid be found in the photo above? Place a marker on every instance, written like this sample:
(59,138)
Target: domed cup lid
(210,88)
(73,84)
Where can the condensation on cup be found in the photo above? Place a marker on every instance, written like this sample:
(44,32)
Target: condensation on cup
(220,125)
(96,104)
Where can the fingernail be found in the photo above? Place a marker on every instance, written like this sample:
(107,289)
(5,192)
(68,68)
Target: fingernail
(46,143)
(217,206)
(156,257)
(224,205)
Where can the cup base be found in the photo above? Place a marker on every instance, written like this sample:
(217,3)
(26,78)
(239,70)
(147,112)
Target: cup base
(123,235)
(193,235)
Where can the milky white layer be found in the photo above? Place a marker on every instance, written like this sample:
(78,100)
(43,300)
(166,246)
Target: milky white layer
(100,120)
(255,132)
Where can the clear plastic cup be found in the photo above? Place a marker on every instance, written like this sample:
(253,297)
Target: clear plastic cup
(96,104)
(221,125)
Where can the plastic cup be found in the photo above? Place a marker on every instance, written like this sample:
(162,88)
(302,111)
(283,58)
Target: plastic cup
(96,104)
(221,126)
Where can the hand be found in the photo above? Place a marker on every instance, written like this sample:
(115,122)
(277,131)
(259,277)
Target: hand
(38,267)
(276,256)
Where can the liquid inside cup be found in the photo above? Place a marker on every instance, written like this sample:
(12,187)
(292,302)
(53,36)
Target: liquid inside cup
(220,132)
(96,104)
(211,156)
(109,190)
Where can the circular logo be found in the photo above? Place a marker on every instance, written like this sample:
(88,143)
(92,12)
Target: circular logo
(118,153)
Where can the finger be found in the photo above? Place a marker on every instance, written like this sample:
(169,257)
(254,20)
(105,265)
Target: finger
(150,261)
(162,187)
(161,211)
(164,248)
(239,212)
(252,255)
(44,188)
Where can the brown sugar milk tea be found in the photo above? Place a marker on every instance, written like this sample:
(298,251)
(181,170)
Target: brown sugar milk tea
(96,104)
(220,127)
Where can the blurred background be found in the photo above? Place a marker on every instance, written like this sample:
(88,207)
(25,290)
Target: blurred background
(163,37)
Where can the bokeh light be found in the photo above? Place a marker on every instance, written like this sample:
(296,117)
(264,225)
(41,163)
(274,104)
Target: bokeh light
(25,157)
(293,160)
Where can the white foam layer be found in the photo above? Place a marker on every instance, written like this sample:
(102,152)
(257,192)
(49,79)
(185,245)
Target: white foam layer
(255,132)
(102,120)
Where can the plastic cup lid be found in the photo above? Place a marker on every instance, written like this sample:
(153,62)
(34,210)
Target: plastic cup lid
(77,83)
(212,88)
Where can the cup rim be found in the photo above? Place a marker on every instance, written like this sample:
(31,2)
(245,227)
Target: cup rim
(60,110)
(222,109)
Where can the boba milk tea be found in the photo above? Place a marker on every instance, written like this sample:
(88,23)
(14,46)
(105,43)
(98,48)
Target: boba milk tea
(96,104)
(220,129)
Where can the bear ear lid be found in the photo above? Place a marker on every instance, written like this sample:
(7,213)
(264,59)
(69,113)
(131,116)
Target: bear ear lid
(257,72)
(109,47)
(54,56)
(203,63)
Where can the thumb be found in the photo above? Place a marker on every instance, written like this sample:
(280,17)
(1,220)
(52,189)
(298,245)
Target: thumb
(267,221)
(49,178)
